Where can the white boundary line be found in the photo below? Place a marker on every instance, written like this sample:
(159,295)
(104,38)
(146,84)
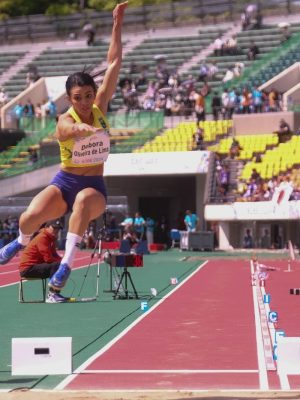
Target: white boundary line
(263,375)
(284,381)
(169,371)
(83,366)
(283,378)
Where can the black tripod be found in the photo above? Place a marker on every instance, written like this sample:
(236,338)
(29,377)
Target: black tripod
(125,275)
(98,246)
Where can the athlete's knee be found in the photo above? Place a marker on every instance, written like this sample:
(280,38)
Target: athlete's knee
(30,220)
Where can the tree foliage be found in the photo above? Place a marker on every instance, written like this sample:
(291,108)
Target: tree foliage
(12,8)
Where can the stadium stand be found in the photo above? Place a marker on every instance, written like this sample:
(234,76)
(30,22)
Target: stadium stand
(57,62)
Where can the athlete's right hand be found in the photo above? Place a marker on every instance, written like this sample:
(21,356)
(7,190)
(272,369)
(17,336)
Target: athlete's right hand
(83,130)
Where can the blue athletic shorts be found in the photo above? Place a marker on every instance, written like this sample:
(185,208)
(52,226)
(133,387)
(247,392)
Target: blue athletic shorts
(71,184)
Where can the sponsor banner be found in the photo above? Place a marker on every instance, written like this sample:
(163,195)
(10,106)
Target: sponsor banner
(262,210)
(164,163)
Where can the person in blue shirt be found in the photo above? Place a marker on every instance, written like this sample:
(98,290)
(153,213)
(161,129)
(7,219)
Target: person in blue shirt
(190,221)
(139,225)
(51,109)
(128,221)
(257,99)
(18,111)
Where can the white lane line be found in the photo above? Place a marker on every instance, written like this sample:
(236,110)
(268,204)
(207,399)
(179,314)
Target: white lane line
(83,366)
(284,381)
(263,375)
(170,371)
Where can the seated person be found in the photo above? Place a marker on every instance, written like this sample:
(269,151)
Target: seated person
(284,132)
(252,51)
(130,236)
(126,223)
(40,259)
(235,149)
(198,138)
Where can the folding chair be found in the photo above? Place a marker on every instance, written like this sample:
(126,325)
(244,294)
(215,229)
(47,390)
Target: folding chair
(21,290)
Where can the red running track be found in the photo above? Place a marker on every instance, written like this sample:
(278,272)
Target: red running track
(201,337)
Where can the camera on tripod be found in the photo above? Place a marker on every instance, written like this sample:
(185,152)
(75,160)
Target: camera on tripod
(124,261)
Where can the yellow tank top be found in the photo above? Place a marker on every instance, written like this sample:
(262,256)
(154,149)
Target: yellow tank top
(91,150)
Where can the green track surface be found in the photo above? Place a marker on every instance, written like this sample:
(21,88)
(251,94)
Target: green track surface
(91,325)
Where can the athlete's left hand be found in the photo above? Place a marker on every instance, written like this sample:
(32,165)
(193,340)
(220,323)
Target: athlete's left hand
(118,12)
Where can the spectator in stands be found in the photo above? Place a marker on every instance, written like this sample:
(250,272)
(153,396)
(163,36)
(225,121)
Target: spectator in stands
(257,100)
(149,97)
(284,132)
(229,75)
(230,46)
(238,69)
(28,109)
(213,69)
(177,107)
(273,100)
(232,103)
(235,149)
(245,20)
(78,187)
(40,258)
(198,138)
(251,189)
(32,75)
(223,181)
(218,46)
(266,240)
(174,81)
(18,113)
(130,96)
(216,105)
(286,34)
(29,79)
(253,51)
(248,240)
(200,108)
(205,90)
(162,72)
(246,101)
(189,85)
(90,32)
(225,104)
(255,175)
(203,71)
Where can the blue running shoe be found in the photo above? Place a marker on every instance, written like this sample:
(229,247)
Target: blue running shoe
(9,251)
(60,277)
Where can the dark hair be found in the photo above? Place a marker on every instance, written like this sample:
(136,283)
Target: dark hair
(80,79)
